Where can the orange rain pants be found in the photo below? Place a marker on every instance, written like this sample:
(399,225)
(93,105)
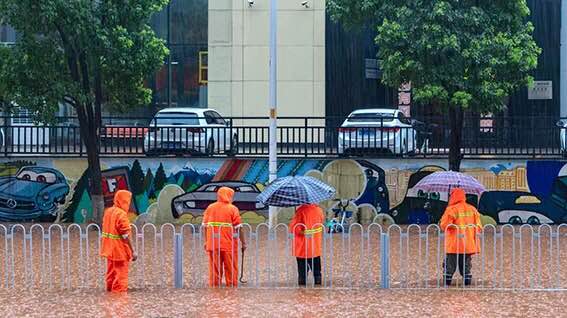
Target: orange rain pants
(117,276)
(219,261)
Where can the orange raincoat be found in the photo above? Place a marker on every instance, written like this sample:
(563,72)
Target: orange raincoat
(115,232)
(461,222)
(220,220)
(307,226)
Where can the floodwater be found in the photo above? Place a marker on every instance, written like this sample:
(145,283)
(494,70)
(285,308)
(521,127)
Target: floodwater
(282,303)
(63,276)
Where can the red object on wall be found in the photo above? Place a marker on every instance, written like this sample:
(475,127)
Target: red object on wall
(113,180)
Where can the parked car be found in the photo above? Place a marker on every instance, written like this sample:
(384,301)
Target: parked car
(123,131)
(562,140)
(190,130)
(196,202)
(32,194)
(374,130)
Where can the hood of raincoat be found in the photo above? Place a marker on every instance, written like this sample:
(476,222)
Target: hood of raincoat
(225,195)
(457,196)
(123,199)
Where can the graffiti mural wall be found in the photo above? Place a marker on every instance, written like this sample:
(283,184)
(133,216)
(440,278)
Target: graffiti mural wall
(179,189)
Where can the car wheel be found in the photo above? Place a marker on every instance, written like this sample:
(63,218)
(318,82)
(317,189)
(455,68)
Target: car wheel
(210,150)
(515,220)
(533,220)
(61,200)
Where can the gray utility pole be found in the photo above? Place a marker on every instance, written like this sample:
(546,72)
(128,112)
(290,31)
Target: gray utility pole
(563,48)
(273,146)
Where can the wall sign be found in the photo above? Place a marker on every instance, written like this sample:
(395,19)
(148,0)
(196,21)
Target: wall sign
(541,90)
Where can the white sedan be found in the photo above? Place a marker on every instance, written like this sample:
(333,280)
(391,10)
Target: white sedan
(563,125)
(371,130)
(182,130)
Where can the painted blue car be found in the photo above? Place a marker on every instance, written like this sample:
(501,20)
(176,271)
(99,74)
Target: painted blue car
(32,194)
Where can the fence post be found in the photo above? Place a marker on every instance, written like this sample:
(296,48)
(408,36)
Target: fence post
(178,261)
(385,260)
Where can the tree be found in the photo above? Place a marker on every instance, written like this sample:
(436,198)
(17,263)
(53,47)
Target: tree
(458,54)
(160,178)
(148,180)
(86,54)
(136,178)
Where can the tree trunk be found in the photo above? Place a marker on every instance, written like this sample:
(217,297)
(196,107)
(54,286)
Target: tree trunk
(456,125)
(89,135)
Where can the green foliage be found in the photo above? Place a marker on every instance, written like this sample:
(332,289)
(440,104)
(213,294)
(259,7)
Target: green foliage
(136,178)
(69,49)
(469,54)
(160,178)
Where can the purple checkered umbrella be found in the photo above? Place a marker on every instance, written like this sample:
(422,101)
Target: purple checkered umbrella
(444,181)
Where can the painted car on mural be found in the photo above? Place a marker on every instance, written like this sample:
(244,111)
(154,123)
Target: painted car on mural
(196,202)
(32,194)
(524,207)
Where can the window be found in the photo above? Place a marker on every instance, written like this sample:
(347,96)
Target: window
(203,67)
(173,118)
(22,117)
(528,199)
(213,118)
(371,117)
(7,35)
(30,175)
(403,119)
(246,189)
(212,188)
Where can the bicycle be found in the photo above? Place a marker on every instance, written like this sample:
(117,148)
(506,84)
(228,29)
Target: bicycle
(342,219)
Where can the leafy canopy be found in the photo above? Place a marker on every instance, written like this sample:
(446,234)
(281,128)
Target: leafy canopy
(76,50)
(465,53)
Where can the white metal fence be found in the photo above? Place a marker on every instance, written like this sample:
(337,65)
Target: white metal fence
(67,256)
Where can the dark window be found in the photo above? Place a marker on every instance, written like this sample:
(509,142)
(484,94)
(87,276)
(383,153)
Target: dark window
(177,119)
(371,117)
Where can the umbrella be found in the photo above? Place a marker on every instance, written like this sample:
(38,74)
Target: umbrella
(443,181)
(294,191)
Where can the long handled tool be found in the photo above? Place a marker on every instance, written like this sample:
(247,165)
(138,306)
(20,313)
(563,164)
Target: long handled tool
(241,279)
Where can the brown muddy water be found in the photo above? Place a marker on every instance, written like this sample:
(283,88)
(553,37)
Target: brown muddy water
(62,277)
(282,303)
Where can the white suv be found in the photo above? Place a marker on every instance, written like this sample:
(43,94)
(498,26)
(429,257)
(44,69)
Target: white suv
(377,129)
(189,130)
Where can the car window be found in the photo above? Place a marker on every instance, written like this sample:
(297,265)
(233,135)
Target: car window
(213,118)
(176,119)
(528,199)
(211,188)
(403,118)
(371,117)
(209,118)
(218,118)
(246,189)
(45,177)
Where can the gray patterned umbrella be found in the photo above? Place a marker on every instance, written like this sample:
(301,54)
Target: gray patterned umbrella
(295,191)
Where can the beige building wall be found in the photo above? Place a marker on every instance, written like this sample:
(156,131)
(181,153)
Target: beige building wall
(239,58)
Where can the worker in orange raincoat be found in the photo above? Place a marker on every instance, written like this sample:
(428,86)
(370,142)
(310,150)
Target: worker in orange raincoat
(307,228)
(221,221)
(461,222)
(116,245)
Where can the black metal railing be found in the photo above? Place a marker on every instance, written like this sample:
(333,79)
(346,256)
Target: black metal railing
(490,137)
